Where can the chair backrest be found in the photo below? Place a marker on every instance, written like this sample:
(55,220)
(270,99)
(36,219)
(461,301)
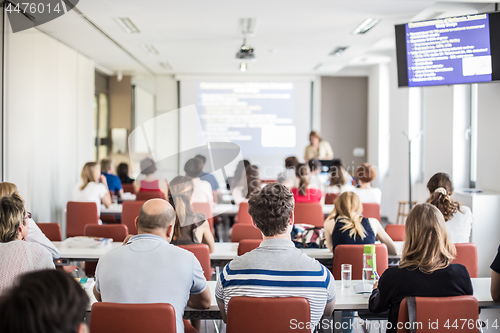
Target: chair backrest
(146,195)
(206,209)
(467,256)
(243,216)
(247,245)
(396,232)
(116,231)
(129,212)
(267,181)
(51,230)
(330,198)
(78,215)
(310,213)
(267,315)
(245,231)
(371,210)
(202,253)
(435,312)
(128,188)
(353,254)
(108,317)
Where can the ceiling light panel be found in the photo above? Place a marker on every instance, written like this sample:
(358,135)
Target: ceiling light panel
(366,26)
(338,51)
(127,25)
(150,49)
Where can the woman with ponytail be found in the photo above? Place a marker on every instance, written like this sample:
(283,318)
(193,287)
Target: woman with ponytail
(458,218)
(190,227)
(304,193)
(346,225)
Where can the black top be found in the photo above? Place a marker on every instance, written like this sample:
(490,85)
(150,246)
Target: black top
(340,237)
(397,283)
(496,263)
(126,179)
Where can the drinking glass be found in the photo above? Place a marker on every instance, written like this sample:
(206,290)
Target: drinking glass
(346,270)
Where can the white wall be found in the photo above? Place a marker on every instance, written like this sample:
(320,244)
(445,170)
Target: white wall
(49,120)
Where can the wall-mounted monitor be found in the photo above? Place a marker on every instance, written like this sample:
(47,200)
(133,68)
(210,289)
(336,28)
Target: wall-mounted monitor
(453,50)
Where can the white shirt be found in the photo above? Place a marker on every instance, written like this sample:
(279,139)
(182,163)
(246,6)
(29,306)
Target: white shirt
(93,192)
(369,195)
(337,190)
(288,178)
(35,235)
(18,257)
(460,225)
(202,191)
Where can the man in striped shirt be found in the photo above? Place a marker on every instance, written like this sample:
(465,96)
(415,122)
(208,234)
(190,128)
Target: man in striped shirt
(276,268)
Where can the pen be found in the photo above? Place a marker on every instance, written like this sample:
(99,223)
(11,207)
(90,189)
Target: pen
(376,275)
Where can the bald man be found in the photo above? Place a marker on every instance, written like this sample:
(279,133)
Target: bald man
(148,269)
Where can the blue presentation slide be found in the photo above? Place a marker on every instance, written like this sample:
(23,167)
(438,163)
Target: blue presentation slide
(449,51)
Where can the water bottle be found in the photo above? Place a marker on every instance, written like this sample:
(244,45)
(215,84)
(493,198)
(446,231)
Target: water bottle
(369,264)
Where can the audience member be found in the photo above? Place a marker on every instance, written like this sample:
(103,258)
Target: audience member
(365,174)
(288,177)
(425,268)
(148,180)
(495,278)
(303,193)
(202,189)
(44,301)
(114,183)
(318,148)
(346,225)
(458,218)
(241,193)
(150,270)
(315,167)
(34,233)
(276,268)
(239,176)
(209,178)
(339,180)
(90,190)
(190,227)
(123,173)
(16,255)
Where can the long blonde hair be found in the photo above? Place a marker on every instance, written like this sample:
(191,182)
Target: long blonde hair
(88,174)
(7,188)
(348,210)
(427,246)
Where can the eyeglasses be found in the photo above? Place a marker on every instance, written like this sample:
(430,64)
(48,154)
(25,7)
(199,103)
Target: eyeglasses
(27,216)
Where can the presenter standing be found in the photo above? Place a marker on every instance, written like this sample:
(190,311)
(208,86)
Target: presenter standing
(318,148)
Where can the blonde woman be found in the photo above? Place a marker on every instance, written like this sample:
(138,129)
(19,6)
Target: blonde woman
(425,268)
(190,227)
(90,189)
(318,148)
(346,225)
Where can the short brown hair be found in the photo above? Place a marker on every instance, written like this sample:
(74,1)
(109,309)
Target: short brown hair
(366,173)
(291,162)
(105,165)
(271,208)
(11,217)
(314,134)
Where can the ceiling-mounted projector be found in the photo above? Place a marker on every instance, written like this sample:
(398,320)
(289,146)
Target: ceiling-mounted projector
(245,53)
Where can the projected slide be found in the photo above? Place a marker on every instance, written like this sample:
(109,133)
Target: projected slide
(449,51)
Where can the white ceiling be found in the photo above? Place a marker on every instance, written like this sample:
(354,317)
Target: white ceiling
(201,37)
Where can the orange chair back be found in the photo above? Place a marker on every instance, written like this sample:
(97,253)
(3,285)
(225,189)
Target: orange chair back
(78,215)
(202,253)
(118,231)
(129,212)
(443,311)
(245,231)
(330,198)
(146,195)
(267,315)
(128,188)
(309,213)
(396,232)
(467,256)
(206,209)
(371,210)
(353,254)
(243,216)
(267,181)
(107,317)
(51,230)
(247,245)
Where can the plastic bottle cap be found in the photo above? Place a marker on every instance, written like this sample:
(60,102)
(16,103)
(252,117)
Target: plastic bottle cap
(369,249)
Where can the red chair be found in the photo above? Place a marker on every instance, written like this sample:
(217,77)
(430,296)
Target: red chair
(130,211)
(116,231)
(267,315)
(267,181)
(243,216)
(107,317)
(78,215)
(244,231)
(146,195)
(309,213)
(247,245)
(206,209)
(202,253)
(330,198)
(128,188)
(396,232)
(467,256)
(353,254)
(371,210)
(51,230)
(443,310)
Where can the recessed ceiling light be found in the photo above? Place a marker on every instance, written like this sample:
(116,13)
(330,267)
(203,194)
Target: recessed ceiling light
(166,66)
(338,51)
(127,25)
(366,26)
(248,27)
(150,49)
